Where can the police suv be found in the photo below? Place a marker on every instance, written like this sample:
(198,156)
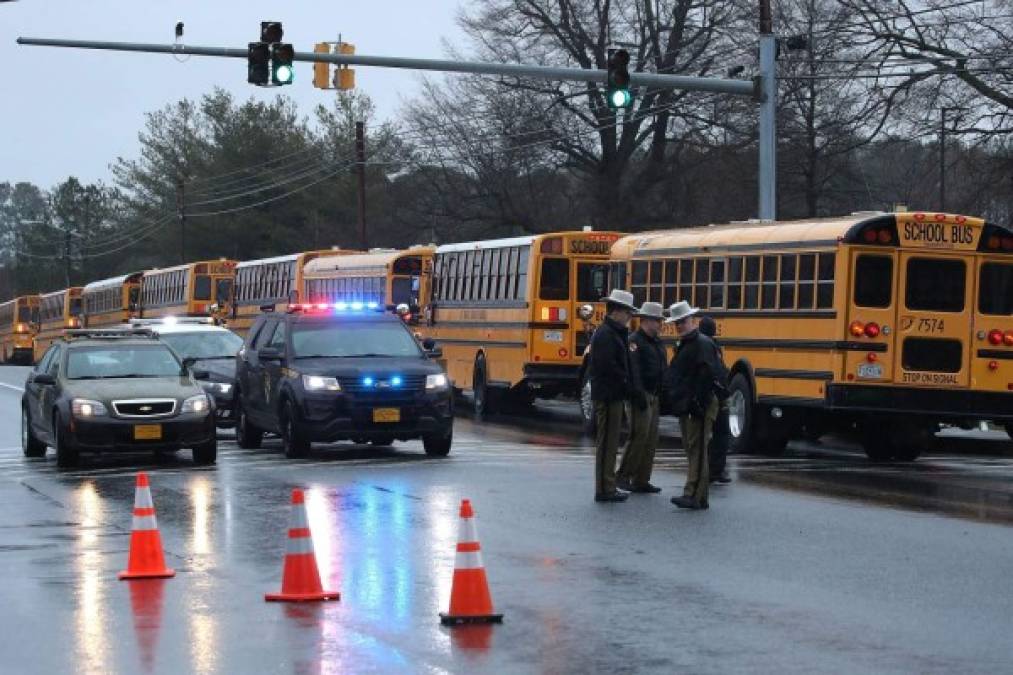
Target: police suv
(341,371)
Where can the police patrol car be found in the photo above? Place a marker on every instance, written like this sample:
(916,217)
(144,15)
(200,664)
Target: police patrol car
(341,371)
(210,349)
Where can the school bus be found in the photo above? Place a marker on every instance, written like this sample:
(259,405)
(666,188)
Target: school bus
(19,323)
(194,289)
(886,323)
(112,301)
(270,281)
(58,311)
(384,276)
(514,316)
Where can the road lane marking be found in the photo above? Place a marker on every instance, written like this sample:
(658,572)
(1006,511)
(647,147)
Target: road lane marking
(11,386)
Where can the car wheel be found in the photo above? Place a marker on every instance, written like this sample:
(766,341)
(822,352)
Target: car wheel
(66,454)
(30,445)
(480,386)
(294,443)
(587,404)
(438,444)
(207,453)
(248,437)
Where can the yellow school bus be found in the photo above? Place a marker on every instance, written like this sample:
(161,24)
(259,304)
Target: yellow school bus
(19,323)
(194,289)
(270,281)
(112,301)
(886,323)
(58,311)
(514,316)
(384,276)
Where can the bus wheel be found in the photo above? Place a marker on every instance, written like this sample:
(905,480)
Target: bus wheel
(740,415)
(1009,429)
(480,386)
(587,404)
(878,445)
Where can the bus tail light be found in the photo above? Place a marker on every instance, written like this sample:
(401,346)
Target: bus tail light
(553,314)
(201,309)
(563,352)
(1007,338)
(20,328)
(993,365)
(872,329)
(995,337)
(871,357)
(857,328)
(552,245)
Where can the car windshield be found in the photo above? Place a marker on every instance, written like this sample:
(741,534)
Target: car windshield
(352,339)
(121,361)
(204,345)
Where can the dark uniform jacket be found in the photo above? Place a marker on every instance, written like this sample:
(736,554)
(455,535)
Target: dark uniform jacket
(695,375)
(647,365)
(610,362)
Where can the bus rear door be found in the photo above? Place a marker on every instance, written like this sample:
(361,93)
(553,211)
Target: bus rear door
(872,313)
(934,319)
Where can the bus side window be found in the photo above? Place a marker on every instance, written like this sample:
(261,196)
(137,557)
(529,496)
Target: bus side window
(524,254)
(686,279)
(825,281)
(735,283)
(806,280)
(671,292)
(639,285)
(752,287)
(787,281)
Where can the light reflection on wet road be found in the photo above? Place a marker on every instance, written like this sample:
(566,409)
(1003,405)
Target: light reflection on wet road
(815,561)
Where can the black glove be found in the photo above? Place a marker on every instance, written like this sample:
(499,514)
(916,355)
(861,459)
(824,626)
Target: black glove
(640,400)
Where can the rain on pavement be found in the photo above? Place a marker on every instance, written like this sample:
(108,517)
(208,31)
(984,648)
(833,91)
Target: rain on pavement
(816,561)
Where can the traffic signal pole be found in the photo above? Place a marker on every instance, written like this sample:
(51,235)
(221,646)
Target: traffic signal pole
(763,88)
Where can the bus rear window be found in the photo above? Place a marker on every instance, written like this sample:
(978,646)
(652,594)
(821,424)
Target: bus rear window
(873,281)
(935,284)
(75,307)
(24,314)
(995,284)
(555,282)
(202,287)
(592,281)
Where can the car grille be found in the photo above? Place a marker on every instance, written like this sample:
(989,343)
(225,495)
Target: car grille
(381,392)
(144,408)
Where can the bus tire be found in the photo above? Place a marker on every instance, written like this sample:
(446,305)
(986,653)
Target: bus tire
(484,404)
(1009,429)
(741,415)
(878,446)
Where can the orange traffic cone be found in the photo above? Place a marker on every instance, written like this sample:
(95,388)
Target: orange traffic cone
(470,601)
(146,559)
(300,580)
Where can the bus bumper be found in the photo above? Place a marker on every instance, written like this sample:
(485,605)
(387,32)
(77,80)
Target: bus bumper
(938,404)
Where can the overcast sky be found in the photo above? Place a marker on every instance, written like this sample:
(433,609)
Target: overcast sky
(72,112)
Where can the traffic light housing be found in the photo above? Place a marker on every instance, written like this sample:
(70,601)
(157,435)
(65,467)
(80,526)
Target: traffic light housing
(322,71)
(258,57)
(618,82)
(271,31)
(282,71)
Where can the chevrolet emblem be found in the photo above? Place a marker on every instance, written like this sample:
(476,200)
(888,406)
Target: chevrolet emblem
(145,408)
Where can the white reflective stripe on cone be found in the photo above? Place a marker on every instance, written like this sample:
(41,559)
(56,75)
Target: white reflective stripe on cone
(145,523)
(468,560)
(299,519)
(142,500)
(467,532)
(299,545)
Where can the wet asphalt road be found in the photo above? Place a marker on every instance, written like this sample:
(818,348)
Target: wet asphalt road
(812,562)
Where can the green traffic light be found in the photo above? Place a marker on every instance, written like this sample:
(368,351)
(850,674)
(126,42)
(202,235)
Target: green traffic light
(284,74)
(621,98)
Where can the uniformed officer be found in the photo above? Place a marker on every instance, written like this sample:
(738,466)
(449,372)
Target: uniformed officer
(721,438)
(610,389)
(647,369)
(690,384)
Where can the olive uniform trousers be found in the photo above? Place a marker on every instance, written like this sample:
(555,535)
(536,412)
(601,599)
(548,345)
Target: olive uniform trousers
(638,458)
(696,436)
(608,419)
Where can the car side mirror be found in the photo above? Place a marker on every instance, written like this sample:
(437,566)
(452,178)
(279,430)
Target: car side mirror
(200,374)
(44,378)
(429,344)
(269,354)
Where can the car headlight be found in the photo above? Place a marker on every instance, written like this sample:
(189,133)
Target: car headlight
(196,404)
(217,387)
(318,383)
(436,382)
(82,407)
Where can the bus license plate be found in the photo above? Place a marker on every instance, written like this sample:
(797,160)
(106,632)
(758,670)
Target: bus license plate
(552,336)
(148,432)
(386,415)
(870,371)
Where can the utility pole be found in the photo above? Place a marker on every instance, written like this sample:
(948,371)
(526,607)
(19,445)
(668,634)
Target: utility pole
(942,155)
(767,178)
(360,165)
